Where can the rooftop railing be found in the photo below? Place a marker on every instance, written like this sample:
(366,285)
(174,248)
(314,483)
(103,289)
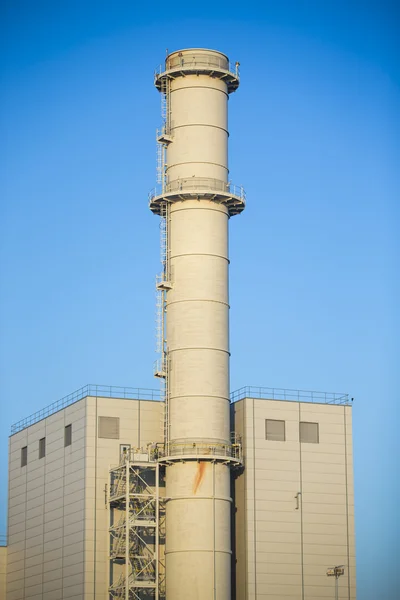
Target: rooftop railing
(101,391)
(288,394)
(130,393)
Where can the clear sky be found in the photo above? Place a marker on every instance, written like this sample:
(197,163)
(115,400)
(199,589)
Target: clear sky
(314,258)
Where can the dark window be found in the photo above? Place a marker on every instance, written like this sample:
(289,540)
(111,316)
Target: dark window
(68,435)
(24,456)
(109,428)
(275,430)
(42,447)
(309,432)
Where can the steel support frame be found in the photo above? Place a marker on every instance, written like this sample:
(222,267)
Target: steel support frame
(136,515)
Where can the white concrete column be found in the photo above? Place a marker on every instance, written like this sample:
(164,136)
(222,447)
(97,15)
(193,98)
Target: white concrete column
(198,542)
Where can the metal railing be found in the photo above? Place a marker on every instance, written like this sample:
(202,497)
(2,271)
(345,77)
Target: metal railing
(102,391)
(160,367)
(162,131)
(288,394)
(130,393)
(202,184)
(202,449)
(198,61)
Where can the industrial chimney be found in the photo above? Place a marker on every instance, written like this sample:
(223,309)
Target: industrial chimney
(195,200)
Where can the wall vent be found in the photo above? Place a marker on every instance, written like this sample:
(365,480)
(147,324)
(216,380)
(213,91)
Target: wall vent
(275,430)
(109,428)
(309,432)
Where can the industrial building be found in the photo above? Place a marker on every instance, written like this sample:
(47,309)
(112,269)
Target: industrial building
(191,492)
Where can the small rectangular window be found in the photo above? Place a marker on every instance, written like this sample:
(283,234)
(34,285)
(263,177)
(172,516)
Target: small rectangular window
(24,456)
(68,435)
(309,432)
(275,430)
(42,447)
(109,428)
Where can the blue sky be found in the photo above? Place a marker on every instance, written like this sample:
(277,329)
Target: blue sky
(314,258)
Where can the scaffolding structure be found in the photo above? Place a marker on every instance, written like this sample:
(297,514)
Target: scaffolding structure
(137,528)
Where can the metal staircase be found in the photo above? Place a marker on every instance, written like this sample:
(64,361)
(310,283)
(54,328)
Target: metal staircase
(137,529)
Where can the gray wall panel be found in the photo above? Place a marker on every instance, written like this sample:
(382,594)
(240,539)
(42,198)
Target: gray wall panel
(285,536)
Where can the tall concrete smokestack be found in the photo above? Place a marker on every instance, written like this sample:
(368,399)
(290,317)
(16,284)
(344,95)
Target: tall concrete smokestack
(195,201)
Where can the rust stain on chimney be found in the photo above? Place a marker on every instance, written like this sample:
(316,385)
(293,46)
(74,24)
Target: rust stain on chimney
(201,467)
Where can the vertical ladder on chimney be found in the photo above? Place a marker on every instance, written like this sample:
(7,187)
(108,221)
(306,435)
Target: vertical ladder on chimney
(163,283)
(163,134)
(165,103)
(160,161)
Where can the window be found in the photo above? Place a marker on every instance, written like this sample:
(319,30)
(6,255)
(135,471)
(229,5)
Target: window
(24,456)
(109,428)
(275,430)
(68,435)
(309,432)
(42,447)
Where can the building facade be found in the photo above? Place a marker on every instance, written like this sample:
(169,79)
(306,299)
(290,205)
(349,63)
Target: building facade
(58,521)
(293,502)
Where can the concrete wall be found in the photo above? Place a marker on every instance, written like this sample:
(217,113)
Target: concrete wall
(46,510)
(58,518)
(284,544)
(3,570)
